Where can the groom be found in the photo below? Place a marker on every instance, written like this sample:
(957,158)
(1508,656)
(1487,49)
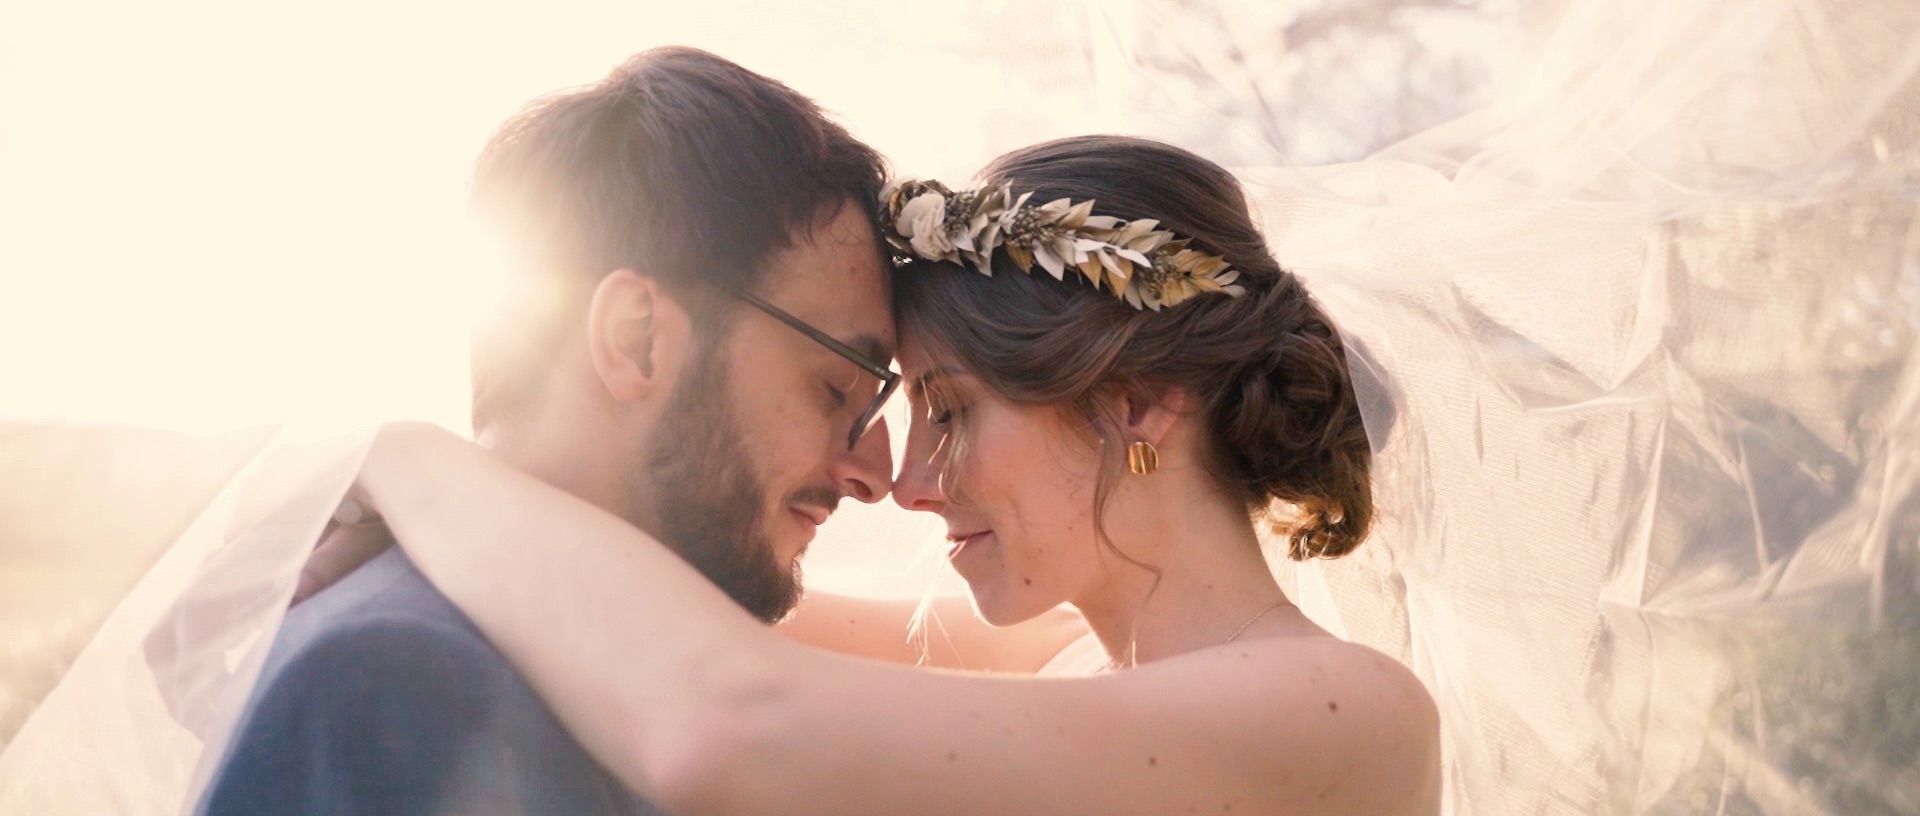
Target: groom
(698,341)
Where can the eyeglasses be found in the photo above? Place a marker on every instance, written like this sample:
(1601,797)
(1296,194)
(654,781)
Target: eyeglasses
(888,378)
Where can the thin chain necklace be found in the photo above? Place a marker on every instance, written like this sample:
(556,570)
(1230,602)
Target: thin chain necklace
(1113,665)
(1257,615)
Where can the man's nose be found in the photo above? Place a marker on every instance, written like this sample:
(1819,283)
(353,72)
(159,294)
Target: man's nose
(866,471)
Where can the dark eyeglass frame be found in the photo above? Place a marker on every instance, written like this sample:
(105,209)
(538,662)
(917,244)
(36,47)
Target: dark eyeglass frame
(889,379)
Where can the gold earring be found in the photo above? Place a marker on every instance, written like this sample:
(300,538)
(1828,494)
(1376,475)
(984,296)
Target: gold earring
(1142,459)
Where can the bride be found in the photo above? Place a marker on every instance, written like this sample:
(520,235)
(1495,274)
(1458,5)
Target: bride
(1111,380)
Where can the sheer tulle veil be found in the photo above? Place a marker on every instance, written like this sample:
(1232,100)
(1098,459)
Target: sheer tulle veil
(1640,369)
(1636,345)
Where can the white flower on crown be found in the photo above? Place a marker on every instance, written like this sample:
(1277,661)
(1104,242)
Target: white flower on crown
(923,220)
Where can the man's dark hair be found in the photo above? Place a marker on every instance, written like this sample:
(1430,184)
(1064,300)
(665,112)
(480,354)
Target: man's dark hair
(680,165)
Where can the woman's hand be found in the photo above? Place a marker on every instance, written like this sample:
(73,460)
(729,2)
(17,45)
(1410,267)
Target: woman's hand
(356,534)
(342,549)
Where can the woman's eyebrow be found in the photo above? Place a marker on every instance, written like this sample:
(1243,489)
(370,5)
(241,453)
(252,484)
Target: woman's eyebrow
(917,389)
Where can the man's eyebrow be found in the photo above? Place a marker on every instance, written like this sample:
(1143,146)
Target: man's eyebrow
(872,346)
(868,346)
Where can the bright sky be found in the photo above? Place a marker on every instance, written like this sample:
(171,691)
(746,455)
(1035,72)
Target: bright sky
(214,214)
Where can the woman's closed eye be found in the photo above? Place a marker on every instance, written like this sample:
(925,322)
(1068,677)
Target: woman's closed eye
(942,408)
(942,405)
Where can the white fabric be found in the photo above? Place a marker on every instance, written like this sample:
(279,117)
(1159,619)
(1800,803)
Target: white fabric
(1644,328)
(1647,333)
(147,706)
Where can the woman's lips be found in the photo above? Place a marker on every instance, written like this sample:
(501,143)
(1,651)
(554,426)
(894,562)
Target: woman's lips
(960,542)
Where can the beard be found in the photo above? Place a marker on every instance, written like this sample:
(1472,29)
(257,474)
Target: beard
(707,502)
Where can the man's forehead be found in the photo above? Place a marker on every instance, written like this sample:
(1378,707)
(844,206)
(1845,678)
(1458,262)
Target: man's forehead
(837,280)
(859,316)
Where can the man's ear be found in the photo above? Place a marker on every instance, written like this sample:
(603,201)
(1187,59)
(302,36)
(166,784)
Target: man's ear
(637,335)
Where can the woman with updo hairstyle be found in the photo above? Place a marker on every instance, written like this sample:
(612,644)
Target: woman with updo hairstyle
(1114,390)
(1268,370)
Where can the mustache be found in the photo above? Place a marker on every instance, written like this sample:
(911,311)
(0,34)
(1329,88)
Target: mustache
(826,497)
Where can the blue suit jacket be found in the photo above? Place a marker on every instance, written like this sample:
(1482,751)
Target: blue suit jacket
(379,696)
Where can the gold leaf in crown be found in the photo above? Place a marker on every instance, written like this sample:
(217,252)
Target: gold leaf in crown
(1149,268)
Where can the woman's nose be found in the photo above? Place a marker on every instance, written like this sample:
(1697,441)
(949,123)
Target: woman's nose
(918,485)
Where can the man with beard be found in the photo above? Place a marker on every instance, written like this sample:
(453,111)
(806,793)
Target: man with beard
(699,343)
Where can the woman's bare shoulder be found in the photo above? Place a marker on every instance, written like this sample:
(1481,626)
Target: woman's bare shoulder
(1325,662)
(1360,719)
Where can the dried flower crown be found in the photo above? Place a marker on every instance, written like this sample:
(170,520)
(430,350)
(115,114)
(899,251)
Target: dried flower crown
(1146,267)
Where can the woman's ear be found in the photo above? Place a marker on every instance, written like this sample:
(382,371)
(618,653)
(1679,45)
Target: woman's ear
(1151,414)
(638,335)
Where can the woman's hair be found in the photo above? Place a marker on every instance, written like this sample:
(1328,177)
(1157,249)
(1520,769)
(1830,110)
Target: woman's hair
(1267,370)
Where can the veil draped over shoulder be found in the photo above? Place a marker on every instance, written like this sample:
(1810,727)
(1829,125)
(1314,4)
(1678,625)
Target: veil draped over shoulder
(1636,346)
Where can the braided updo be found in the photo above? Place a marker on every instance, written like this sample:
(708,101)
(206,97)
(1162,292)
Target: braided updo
(1268,369)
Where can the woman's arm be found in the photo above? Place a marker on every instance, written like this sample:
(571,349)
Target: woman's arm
(528,564)
(693,703)
(954,637)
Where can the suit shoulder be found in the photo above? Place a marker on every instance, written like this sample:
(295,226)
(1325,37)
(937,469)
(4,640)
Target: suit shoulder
(387,600)
(384,632)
